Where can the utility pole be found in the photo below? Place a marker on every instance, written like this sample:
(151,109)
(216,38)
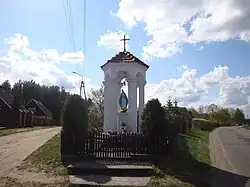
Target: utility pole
(82,86)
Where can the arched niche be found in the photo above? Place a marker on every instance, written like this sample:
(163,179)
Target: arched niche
(139,76)
(121,75)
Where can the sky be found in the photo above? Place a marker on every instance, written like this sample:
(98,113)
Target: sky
(198,50)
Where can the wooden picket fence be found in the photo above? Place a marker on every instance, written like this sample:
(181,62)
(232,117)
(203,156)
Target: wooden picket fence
(111,146)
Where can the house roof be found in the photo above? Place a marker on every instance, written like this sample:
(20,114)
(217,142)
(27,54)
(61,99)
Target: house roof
(42,107)
(6,97)
(125,57)
(182,111)
(23,109)
(6,103)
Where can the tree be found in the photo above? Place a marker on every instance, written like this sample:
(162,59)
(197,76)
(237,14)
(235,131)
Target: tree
(238,117)
(153,121)
(231,112)
(75,114)
(95,119)
(194,113)
(169,103)
(212,108)
(201,109)
(74,123)
(222,116)
(6,86)
(96,110)
(97,97)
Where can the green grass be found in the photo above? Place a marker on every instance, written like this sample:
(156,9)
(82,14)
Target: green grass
(4,132)
(198,145)
(46,159)
(247,127)
(189,166)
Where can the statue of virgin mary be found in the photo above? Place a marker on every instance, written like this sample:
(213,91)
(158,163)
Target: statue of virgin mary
(123,102)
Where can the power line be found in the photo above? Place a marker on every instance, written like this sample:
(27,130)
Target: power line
(84,42)
(84,33)
(71,33)
(69,23)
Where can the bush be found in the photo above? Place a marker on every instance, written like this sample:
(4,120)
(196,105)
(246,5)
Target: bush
(153,122)
(204,124)
(74,122)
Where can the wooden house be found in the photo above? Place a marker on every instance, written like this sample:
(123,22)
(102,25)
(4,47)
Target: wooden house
(185,114)
(12,115)
(27,116)
(42,116)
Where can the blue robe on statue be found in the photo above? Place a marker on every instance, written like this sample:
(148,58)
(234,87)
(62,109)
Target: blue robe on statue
(123,102)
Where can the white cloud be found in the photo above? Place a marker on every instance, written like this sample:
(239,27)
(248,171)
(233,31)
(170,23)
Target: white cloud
(191,90)
(17,42)
(19,46)
(112,40)
(22,62)
(172,23)
(201,48)
(182,68)
(217,76)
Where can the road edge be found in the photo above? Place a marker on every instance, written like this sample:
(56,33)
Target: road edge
(217,160)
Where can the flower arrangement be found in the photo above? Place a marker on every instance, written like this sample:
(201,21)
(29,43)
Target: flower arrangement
(123,110)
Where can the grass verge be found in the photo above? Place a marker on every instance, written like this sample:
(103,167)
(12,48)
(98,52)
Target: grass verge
(247,127)
(11,182)
(4,132)
(46,159)
(205,124)
(190,163)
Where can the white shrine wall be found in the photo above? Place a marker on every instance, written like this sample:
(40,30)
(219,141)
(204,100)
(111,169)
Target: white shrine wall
(135,75)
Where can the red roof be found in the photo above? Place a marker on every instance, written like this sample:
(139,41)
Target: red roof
(125,57)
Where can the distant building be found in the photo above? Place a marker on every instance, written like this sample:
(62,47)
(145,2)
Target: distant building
(182,111)
(186,115)
(13,115)
(42,115)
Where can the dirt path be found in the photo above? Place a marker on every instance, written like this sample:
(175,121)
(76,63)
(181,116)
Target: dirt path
(15,148)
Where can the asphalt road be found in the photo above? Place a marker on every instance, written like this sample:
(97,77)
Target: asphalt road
(15,148)
(231,155)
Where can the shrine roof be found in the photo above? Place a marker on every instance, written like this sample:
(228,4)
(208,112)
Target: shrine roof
(125,57)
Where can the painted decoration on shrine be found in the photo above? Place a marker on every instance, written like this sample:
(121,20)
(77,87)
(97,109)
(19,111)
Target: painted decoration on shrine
(123,102)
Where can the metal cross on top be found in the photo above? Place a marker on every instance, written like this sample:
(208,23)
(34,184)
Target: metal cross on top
(124,42)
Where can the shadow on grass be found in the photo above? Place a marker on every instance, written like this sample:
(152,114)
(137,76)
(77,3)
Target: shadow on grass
(185,167)
(193,135)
